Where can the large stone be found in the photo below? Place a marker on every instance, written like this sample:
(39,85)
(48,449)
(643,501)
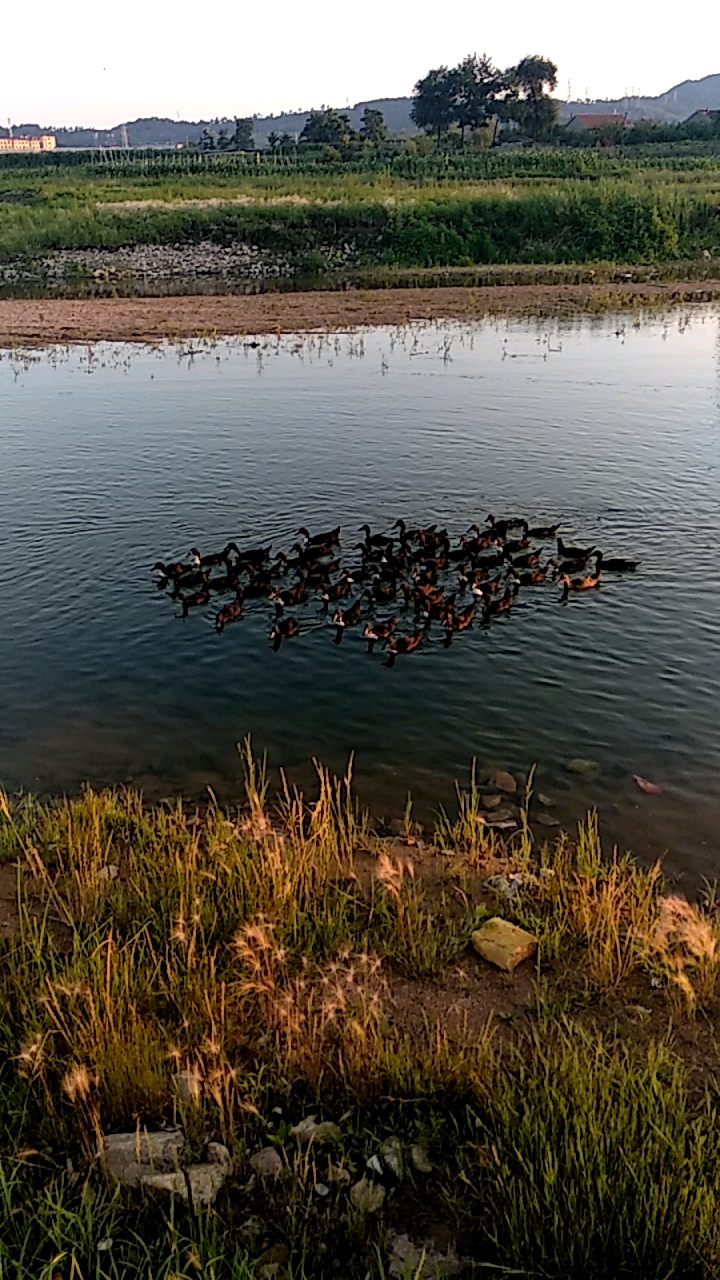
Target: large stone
(504,781)
(130,1156)
(268,1163)
(201,1182)
(367,1196)
(308,1130)
(586,768)
(423,1261)
(503,944)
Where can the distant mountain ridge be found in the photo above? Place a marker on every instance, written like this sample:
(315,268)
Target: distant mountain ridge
(676,104)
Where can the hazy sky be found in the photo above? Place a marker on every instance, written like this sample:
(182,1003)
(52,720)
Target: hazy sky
(98,64)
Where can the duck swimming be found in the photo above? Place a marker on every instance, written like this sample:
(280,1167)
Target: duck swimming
(284,629)
(197,599)
(229,612)
(375,631)
(573,553)
(330,539)
(587,583)
(542,531)
(214,557)
(615,564)
(402,644)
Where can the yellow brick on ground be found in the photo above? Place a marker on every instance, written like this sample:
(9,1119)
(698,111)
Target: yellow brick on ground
(503,944)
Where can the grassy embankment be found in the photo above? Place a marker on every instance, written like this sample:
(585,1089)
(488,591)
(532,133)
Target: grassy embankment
(293,963)
(538,207)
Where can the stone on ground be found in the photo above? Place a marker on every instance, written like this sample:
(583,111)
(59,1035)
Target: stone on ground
(423,1261)
(201,1181)
(267,1163)
(367,1196)
(503,944)
(130,1156)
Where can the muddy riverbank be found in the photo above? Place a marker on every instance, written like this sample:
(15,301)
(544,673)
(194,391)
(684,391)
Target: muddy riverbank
(40,322)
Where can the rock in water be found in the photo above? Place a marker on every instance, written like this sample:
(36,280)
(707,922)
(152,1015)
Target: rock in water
(586,768)
(504,781)
(546,820)
(503,944)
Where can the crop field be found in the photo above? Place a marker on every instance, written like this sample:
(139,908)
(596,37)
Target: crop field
(542,206)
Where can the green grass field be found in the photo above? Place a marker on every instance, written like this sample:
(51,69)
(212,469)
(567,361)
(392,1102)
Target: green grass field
(552,206)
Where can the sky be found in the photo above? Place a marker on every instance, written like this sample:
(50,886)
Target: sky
(90,64)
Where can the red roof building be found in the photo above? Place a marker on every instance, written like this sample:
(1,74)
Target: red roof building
(596,120)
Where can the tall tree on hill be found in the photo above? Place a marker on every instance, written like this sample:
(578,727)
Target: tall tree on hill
(243,136)
(476,84)
(433,107)
(329,127)
(532,81)
(372,127)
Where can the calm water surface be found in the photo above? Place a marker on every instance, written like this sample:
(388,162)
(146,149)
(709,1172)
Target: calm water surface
(115,456)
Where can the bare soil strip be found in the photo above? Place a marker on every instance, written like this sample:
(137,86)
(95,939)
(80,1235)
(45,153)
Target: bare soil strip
(34,323)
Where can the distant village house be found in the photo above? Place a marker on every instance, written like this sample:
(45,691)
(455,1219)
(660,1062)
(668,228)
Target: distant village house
(703,116)
(45,142)
(585,120)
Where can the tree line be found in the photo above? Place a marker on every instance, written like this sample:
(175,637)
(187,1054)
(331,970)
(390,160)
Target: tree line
(468,95)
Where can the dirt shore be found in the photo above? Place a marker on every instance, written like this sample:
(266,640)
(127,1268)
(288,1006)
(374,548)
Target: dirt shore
(33,323)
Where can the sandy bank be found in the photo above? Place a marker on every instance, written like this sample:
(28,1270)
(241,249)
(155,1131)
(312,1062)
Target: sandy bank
(32,322)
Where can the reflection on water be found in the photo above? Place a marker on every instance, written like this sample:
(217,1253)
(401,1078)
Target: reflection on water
(610,426)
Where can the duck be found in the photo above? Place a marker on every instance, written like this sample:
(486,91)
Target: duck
(227,581)
(535,576)
(482,590)
(197,599)
(178,569)
(338,590)
(499,528)
(291,595)
(348,617)
(461,621)
(195,578)
(331,538)
(254,558)
(375,631)
(569,566)
(229,612)
(283,629)
(515,546)
(214,558)
(402,644)
(587,583)
(573,553)
(542,531)
(381,592)
(374,539)
(527,561)
(503,603)
(615,564)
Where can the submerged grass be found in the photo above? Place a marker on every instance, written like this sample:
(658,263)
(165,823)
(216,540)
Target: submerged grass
(256,957)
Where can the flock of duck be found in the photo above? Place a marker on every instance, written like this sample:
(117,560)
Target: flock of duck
(415,576)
